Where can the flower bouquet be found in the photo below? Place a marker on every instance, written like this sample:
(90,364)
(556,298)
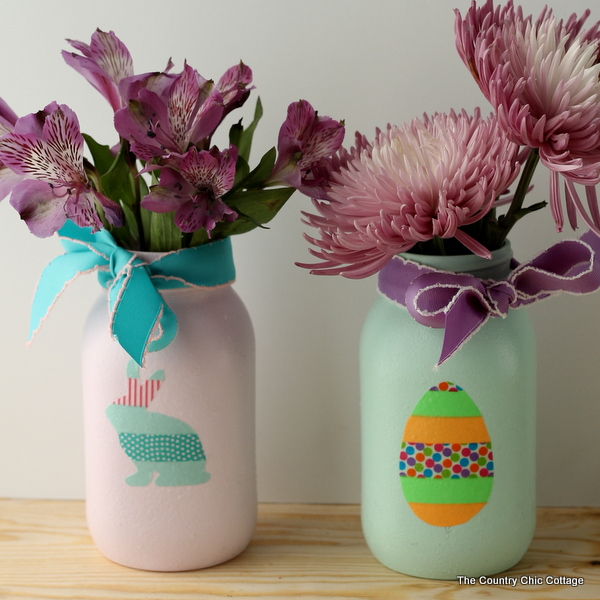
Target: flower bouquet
(165,122)
(164,186)
(448,440)
(168,369)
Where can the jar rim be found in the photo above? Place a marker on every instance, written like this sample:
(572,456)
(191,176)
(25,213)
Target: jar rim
(498,257)
(465,263)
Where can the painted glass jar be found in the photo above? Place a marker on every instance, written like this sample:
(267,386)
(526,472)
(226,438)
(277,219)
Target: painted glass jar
(170,448)
(448,451)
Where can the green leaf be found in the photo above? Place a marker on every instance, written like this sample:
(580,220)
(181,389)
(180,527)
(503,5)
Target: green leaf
(131,222)
(164,234)
(128,235)
(146,218)
(255,208)
(101,155)
(144,215)
(235,134)
(529,209)
(257,177)
(241,171)
(245,143)
(121,236)
(117,183)
(200,237)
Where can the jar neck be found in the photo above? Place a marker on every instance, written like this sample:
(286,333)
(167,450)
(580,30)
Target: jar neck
(168,290)
(205,266)
(498,267)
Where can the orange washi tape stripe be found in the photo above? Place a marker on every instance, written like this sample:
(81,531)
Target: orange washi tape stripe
(445,430)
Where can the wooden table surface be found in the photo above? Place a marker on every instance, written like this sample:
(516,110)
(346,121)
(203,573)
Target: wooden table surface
(297,551)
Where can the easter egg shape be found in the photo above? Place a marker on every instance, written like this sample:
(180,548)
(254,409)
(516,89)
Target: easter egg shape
(446,459)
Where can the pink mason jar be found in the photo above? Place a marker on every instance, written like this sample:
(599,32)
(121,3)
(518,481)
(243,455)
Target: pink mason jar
(170,447)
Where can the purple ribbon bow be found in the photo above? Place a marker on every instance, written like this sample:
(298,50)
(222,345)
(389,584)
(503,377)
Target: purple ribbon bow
(462,303)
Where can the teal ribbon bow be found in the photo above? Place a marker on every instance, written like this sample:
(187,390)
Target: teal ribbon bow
(140,319)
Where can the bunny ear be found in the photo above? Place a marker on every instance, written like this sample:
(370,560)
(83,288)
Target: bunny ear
(157,375)
(140,393)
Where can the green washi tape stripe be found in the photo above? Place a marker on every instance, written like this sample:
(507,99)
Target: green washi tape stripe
(447,491)
(446,404)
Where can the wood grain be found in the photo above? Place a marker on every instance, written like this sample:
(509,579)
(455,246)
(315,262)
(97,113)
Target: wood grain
(297,551)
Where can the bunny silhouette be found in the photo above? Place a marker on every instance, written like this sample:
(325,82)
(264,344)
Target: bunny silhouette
(156,443)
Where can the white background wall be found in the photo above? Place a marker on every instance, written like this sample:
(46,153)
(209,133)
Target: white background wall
(369,62)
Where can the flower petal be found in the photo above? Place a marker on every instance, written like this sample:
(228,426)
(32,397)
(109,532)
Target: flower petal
(112,211)
(111,54)
(145,124)
(304,139)
(157,82)
(192,216)
(8,180)
(201,212)
(170,194)
(183,103)
(41,210)
(208,117)
(8,118)
(234,83)
(162,200)
(104,63)
(472,244)
(81,209)
(210,171)
(52,153)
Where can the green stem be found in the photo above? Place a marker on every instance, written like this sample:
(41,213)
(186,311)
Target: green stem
(131,160)
(515,211)
(137,209)
(94,176)
(438,244)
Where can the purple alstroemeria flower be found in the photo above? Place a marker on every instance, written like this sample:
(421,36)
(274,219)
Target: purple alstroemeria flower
(8,178)
(304,140)
(234,87)
(105,62)
(168,114)
(195,191)
(47,148)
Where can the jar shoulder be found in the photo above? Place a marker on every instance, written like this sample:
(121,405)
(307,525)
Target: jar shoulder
(389,329)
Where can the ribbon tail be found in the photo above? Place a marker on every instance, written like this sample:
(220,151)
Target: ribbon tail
(55,278)
(462,322)
(131,322)
(167,326)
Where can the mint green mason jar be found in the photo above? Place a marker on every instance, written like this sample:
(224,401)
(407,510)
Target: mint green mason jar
(448,451)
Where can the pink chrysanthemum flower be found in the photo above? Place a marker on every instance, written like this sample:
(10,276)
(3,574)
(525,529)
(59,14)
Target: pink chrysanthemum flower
(424,179)
(543,79)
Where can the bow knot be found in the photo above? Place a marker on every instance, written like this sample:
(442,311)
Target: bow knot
(431,296)
(461,303)
(503,295)
(121,262)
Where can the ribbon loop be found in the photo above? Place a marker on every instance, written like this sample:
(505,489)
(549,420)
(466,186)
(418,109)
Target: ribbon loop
(461,303)
(140,319)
